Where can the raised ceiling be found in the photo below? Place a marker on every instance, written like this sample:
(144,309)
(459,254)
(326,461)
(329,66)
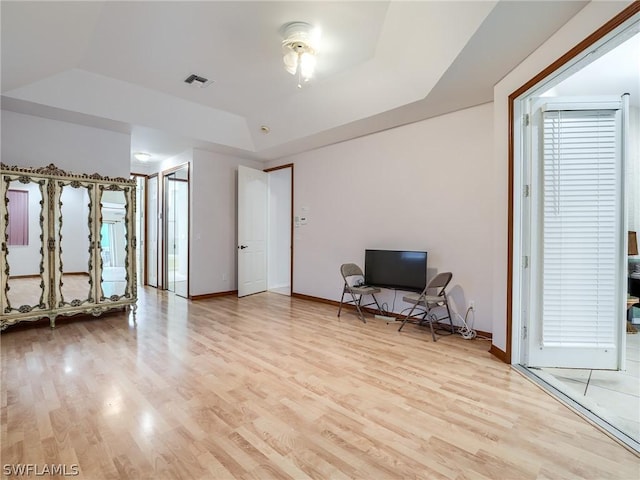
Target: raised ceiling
(122,65)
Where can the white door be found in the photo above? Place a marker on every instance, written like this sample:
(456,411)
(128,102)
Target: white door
(252,231)
(576,240)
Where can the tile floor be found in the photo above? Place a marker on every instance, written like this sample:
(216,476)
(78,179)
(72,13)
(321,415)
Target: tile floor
(612,396)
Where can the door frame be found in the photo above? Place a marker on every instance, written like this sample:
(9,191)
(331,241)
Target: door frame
(153,177)
(162,274)
(291,225)
(143,228)
(512,352)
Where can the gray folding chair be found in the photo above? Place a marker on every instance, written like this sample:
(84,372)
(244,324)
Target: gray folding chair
(352,274)
(426,302)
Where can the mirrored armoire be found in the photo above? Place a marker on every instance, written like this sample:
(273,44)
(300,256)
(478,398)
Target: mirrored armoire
(68,244)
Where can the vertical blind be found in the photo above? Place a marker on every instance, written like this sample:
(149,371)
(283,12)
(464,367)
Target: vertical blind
(18,211)
(580,204)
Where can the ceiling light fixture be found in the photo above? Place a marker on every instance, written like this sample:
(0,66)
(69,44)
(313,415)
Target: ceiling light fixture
(142,156)
(300,49)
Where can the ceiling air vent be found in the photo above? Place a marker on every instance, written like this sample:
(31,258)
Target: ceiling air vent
(197,81)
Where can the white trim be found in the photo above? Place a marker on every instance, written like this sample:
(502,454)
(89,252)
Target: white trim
(581,105)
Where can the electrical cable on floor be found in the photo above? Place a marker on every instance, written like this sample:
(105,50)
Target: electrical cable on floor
(384,307)
(439,326)
(470,325)
(466,331)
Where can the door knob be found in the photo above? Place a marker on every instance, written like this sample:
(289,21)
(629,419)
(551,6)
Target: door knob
(242,247)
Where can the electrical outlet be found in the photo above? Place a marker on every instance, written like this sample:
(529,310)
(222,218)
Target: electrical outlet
(472,305)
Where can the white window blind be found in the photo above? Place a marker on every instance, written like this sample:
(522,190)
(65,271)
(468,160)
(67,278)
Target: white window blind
(581,202)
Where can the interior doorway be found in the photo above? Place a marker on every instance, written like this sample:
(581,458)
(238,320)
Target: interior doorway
(280,233)
(572,95)
(141,228)
(176,230)
(265,230)
(152,207)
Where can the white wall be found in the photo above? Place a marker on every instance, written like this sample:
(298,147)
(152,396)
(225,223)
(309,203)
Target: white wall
(587,21)
(183,158)
(213,221)
(425,186)
(31,141)
(279,225)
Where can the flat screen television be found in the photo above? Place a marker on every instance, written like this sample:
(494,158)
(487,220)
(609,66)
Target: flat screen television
(403,270)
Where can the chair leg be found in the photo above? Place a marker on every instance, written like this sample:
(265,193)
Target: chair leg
(377,304)
(360,313)
(446,304)
(430,319)
(357,303)
(406,319)
(453,331)
(341,300)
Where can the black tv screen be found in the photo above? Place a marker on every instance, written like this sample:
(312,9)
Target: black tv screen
(404,270)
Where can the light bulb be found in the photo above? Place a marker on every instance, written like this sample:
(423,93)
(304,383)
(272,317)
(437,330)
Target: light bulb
(291,62)
(307,65)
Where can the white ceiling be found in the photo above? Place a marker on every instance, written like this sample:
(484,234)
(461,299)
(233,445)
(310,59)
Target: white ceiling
(614,72)
(121,65)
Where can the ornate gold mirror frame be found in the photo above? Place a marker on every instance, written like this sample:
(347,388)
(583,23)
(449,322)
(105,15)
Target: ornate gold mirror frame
(52,183)
(129,241)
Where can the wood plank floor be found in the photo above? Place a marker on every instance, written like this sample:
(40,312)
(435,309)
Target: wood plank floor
(274,387)
(28,290)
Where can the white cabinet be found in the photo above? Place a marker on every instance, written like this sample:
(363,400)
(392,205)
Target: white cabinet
(68,244)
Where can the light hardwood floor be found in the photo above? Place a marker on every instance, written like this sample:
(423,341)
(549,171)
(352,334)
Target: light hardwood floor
(28,290)
(274,387)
